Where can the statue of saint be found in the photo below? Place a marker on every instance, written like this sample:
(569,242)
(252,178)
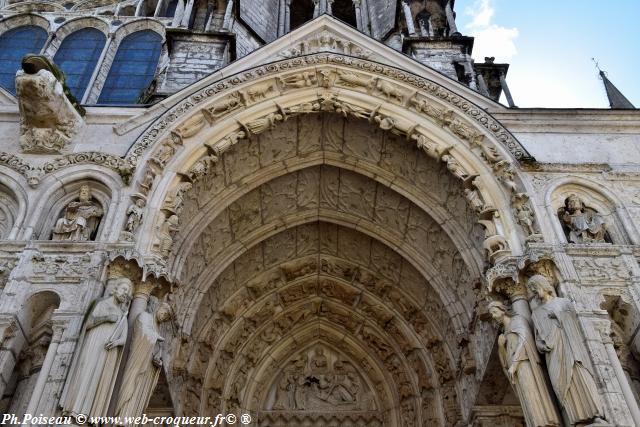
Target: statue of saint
(582,225)
(135,212)
(93,372)
(145,361)
(558,337)
(523,366)
(80,220)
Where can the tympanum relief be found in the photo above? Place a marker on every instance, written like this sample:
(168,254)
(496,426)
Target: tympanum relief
(320,379)
(80,218)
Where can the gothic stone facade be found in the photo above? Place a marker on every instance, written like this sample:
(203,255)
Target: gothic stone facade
(322,230)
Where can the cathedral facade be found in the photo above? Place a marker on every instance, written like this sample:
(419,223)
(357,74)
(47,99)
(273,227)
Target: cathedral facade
(305,213)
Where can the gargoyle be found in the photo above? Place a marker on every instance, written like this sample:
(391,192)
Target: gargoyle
(49,115)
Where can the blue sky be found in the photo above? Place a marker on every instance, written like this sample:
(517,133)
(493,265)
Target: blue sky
(550,43)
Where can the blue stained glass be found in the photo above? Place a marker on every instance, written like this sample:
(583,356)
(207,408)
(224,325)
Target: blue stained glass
(133,68)
(14,44)
(77,58)
(171,8)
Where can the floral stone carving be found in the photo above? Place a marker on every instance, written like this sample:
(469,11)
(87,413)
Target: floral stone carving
(48,117)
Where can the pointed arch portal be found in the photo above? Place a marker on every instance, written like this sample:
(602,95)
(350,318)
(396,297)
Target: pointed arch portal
(328,227)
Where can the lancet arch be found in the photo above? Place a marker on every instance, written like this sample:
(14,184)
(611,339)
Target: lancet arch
(416,184)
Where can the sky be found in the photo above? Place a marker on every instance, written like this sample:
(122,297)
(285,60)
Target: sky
(550,43)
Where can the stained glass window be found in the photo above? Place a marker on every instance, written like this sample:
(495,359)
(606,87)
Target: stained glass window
(14,44)
(133,68)
(77,58)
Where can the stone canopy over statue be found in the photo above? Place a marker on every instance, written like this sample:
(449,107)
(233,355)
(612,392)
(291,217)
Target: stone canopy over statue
(93,372)
(558,337)
(80,219)
(582,224)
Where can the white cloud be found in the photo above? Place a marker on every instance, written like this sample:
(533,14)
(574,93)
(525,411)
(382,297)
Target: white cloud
(491,39)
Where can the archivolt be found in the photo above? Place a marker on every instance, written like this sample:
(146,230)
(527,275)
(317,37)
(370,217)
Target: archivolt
(470,144)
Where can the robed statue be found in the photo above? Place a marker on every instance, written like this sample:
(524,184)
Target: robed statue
(581,224)
(93,372)
(144,363)
(80,219)
(524,367)
(558,337)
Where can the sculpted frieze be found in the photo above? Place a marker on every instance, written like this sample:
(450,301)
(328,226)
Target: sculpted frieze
(602,269)
(356,64)
(64,268)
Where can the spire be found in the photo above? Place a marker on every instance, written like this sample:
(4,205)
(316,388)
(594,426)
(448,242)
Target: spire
(616,98)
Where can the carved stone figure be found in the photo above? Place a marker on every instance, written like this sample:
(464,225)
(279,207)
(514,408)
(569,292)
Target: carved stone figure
(93,372)
(164,235)
(265,123)
(524,367)
(523,213)
(134,215)
(582,225)
(321,380)
(49,115)
(454,167)
(145,360)
(80,219)
(558,337)
(175,203)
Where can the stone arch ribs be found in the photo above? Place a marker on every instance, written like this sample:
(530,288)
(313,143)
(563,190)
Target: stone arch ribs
(252,321)
(474,147)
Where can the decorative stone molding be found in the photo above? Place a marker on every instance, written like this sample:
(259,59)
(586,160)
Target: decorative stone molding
(193,102)
(601,270)
(64,268)
(48,119)
(34,174)
(323,42)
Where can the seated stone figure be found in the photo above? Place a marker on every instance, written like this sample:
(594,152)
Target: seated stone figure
(581,224)
(80,219)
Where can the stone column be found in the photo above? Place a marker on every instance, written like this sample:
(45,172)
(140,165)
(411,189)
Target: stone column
(184,22)
(179,12)
(141,8)
(226,22)
(329,5)
(408,17)
(622,378)
(364,11)
(505,89)
(482,84)
(356,5)
(281,17)
(287,15)
(159,8)
(45,370)
(316,9)
(451,19)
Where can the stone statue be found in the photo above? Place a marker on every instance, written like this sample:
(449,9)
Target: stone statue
(164,235)
(134,215)
(559,338)
(523,366)
(144,363)
(582,225)
(93,372)
(80,220)
(49,115)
